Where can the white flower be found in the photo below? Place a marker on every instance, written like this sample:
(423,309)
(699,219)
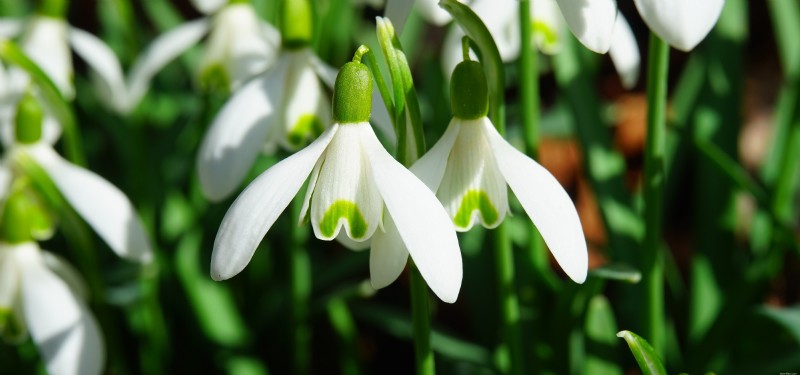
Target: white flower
(104,207)
(469,168)
(352,179)
(683,24)
(43,296)
(239,42)
(286,106)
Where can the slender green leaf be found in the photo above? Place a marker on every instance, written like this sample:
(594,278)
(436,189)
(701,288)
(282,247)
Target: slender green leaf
(644,353)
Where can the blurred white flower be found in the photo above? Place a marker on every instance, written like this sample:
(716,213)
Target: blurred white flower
(104,207)
(683,24)
(42,295)
(352,177)
(240,45)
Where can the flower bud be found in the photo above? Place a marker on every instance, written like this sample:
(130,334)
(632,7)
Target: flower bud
(28,120)
(352,94)
(469,93)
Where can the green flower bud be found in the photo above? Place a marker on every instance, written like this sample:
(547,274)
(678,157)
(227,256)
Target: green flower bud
(28,120)
(16,220)
(469,93)
(215,79)
(296,23)
(352,94)
(53,8)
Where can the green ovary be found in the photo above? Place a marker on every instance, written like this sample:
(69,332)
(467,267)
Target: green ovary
(305,126)
(350,212)
(475,200)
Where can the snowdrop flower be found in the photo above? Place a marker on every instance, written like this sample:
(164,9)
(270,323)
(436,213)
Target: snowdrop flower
(471,165)
(104,207)
(352,179)
(43,296)
(286,106)
(239,47)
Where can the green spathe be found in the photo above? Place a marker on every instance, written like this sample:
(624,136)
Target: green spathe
(296,23)
(28,120)
(347,210)
(469,93)
(352,94)
(476,200)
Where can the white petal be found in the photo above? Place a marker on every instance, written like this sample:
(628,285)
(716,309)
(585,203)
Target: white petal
(104,207)
(428,9)
(591,21)
(66,272)
(624,53)
(10,27)
(388,256)
(64,331)
(45,42)
(5,180)
(424,226)
(304,106)
(351,244)
(237,134)
(161,51)
(271,34)
(102,59)
(397,11)
(51,129)
(344,195)
(208,6)
(256,209)
(473,189)
(548,26)
(546,203)
(431,166)
(238,44)
(681,23)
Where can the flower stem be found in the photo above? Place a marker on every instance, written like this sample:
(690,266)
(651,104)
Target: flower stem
(653,281)
(509,303)
(420,317)
(300,285)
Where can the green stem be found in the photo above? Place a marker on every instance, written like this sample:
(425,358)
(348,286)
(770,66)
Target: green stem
(300,281)
(529,84)
(421,324)
(509,303)
(653,282)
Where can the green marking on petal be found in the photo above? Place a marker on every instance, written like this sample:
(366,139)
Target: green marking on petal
(475,200)
(214,78)
(548,34)
(305,127)
(11,328)
(350,212)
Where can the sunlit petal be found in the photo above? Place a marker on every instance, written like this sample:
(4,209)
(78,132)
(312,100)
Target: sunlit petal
(104,207)
(430,167)
(591,21)
(423,225)
(161,52)
(237,134)
(67,273)
(255,210)
(345,196)
(10,27)
(624,53)
(681,23)
(45,42)
(546,203)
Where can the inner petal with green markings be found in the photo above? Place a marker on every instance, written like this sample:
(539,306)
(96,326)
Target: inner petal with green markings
(472,188)
(304,106)
(341,191)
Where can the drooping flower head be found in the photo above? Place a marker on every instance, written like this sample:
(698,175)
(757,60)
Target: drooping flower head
(471,167)
(356,189)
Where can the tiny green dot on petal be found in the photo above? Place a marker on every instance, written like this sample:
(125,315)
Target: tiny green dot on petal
(350,212)
(307,125)
(475,200)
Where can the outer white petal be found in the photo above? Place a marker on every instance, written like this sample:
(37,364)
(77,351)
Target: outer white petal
(428,9)
(10,27)
(344,195)
(208,6)
(237,134)
(424,226)
(161,51)
(100,203)
(302,100)
(351,244)
(472,189)
(102,59)
(681,23)
(51,129)
(431,166)
(64,331)
(546,203)
(45,42)
(388,256)
(66,272)
(592,21)
(256,209)
(271,34)
(624,53)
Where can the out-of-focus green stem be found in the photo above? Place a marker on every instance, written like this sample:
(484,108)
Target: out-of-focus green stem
(300,281)
(421,326)
(529,83)
(653,281)
(509,303)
